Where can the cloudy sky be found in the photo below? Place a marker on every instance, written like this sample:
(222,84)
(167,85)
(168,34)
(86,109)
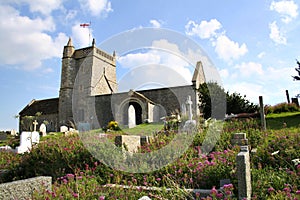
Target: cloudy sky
(252,44)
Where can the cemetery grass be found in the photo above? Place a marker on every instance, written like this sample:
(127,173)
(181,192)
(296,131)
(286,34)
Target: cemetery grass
(283,120)
(77,175)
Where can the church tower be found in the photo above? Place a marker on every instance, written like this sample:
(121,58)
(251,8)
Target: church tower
(90,70)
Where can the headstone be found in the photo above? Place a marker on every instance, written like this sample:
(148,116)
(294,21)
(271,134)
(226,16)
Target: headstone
(84,127)
(239,139)
(189,107)
(64,129)
(35,137)
(295,101)
(131,117)
(244,173)
(132,142)
(43,129)
(3,136)
(13,132)
(25,142)
(190,124)
(35,123)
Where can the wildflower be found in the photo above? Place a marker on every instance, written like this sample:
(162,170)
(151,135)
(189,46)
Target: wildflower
(296,161)
(271,189)
(298,192)
(214,190)
(101,197)
(220,195)
(70,176)
(274,153)
(76,195)
(158,179)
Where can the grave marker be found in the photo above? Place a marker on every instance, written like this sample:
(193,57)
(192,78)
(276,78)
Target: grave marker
(244,173)
(43,129)
(35,123)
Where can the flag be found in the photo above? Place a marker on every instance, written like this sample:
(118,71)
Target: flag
(84,25)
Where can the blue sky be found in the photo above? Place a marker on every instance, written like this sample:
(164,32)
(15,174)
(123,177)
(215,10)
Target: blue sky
(253,44)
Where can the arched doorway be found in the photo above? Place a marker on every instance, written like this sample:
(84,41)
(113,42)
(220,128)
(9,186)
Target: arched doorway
(138,112)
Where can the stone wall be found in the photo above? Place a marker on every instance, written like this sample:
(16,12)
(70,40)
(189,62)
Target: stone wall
(23,189)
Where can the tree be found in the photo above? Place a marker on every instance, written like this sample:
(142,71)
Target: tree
(239,104)
(297,78)
(212,99)
(214,102)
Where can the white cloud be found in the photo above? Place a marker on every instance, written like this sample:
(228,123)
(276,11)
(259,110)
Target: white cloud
(204,30)
(155,23)
(224,73)
(96,7)
(250,68)
(41,6)
(82,36)
(163,65)
(25,42)
(287,9)
(262,54)
(275,34)
(137,59)
(229,50)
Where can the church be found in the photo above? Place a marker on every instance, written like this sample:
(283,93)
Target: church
(88,95)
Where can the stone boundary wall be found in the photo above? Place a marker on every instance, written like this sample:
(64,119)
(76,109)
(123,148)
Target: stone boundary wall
(23,189)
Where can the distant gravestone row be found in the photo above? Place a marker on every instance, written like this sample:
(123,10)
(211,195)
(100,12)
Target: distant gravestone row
(27,139)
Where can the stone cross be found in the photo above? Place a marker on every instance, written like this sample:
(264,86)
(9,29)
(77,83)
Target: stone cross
(189,107)
(35,123)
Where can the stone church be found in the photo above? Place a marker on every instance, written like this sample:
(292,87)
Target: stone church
(89,94)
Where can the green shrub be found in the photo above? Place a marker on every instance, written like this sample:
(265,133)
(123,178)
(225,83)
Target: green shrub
(281,107)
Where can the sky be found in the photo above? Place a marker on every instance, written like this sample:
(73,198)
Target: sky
(252,44)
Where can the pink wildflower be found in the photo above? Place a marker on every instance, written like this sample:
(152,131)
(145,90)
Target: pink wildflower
(214,190)
(271,189)
(76,195)
(101,197)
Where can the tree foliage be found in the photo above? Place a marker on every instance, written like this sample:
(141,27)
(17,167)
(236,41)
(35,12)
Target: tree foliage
(215,102)
(212,99)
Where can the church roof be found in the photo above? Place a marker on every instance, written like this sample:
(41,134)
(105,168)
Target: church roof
(45,106)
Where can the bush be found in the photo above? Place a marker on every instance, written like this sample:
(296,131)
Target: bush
(113,125)
(281,107)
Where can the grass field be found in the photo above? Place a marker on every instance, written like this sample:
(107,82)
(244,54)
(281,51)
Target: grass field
(282,120)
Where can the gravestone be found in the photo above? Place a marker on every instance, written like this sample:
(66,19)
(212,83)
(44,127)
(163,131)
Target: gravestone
(13,132)
(189,107)
(35,123)
(132,142)
(64,129)
(244,173)
(26,141)
(43,129)
(190,124)
(131,117)
(239,139)
(84,127)
(3,136)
